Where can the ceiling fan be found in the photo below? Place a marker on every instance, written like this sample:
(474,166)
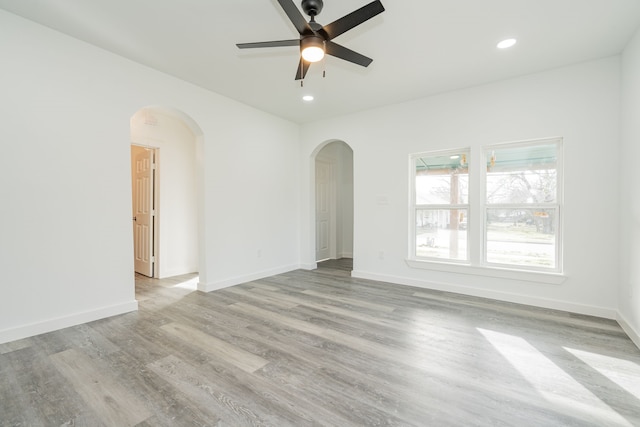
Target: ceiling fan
(316,40)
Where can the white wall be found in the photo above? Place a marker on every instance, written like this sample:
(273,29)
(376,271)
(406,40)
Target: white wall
(346,202)
(65,214)
(176,185)
(630,191)
(579,103)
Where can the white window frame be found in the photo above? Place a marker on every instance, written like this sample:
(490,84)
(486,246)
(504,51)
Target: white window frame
(415,207)
(476,227)
(557,205)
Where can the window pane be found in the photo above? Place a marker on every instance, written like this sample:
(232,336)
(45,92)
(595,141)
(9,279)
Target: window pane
(442,180)
(441,233)
(523,237)
(522,174)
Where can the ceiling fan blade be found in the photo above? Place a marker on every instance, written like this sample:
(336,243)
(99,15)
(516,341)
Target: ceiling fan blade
(276,43)
(295,16)
(342,52)
(353,19)
(303,67)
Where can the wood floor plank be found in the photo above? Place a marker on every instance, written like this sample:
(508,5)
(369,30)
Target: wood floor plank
(36,393)
(351,301)
(370,347)
(113,403)
(537,313)
(219,398)
(15,345)
(169,408)
(372,312)
(264,286)
(217,348)
(16,405)
(265,297)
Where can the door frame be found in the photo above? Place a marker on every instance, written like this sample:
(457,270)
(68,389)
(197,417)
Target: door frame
(317,155)
(200,185)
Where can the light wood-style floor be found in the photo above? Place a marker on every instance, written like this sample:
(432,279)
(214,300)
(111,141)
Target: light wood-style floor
(322,349)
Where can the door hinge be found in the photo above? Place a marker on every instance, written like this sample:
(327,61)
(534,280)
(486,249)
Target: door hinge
(153,259)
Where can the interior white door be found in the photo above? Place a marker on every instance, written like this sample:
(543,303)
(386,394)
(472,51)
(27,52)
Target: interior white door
(143,212)
(324,177)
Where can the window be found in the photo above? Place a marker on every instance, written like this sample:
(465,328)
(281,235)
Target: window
(522,205)
(441,206)
(515,207)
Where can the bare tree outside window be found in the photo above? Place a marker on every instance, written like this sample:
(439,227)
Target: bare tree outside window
(521,205)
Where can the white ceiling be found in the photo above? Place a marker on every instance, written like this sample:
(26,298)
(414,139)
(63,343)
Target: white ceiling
(419,47)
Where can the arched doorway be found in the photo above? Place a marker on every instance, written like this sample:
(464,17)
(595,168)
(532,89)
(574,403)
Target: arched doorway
(171,140)
(333,174)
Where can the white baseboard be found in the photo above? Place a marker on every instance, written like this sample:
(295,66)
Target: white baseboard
(232,281)
(55,324)
(628,329)
(309,266)
(607,313)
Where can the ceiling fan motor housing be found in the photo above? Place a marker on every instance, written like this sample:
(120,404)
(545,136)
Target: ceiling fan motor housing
(312,7)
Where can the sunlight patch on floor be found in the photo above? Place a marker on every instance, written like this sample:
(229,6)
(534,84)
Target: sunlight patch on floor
(551,382)
(624,373)
(190,284)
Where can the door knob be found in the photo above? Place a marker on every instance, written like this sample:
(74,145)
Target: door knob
(134,218)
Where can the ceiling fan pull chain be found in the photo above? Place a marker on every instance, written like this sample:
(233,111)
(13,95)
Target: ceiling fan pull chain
(324,61)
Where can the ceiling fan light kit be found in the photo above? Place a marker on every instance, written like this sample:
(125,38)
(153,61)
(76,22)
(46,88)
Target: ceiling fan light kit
(316,40)
(312,48)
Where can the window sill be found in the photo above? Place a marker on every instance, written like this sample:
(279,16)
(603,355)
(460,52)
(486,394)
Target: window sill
(502,273)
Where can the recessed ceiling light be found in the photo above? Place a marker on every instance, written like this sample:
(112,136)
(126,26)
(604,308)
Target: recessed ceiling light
(307,98)
(504,44)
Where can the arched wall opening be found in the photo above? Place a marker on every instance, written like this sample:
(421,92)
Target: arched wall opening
(177,141)
(332,201)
